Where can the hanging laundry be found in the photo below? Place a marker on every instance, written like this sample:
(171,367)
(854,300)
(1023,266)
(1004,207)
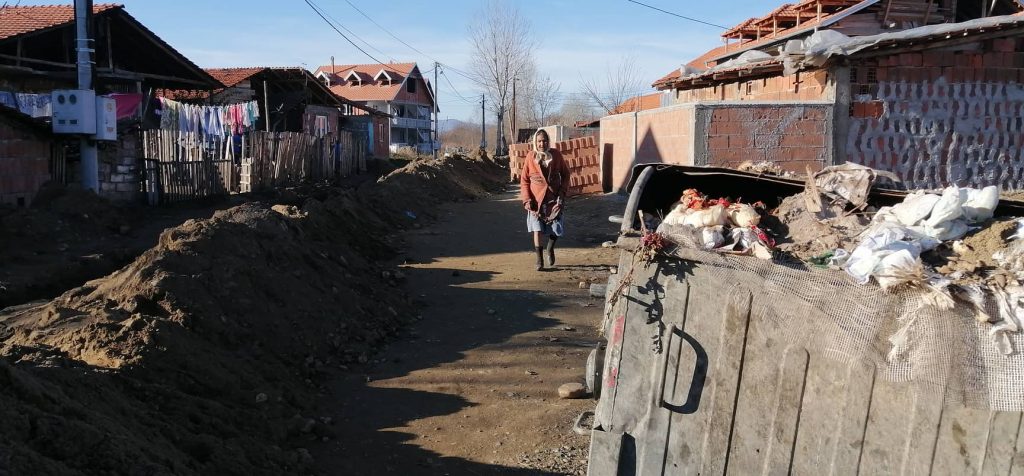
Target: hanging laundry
(35,105)
(128,104)
(7,99)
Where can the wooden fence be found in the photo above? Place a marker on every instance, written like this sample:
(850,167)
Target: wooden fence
(185,166)
(179,181)
(584,163)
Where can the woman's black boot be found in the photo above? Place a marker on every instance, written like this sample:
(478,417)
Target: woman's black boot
(551,250)
(540,258)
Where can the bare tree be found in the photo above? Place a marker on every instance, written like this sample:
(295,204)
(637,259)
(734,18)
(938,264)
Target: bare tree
(621,82)
(541,100)
(577,108)
(503,47)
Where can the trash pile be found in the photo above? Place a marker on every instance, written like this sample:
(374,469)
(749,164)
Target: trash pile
(946,243)
(718,224)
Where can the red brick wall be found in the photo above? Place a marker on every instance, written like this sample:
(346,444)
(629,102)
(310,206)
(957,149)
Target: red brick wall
(794,136)
(663,135)
(584,163)
(937,118)
(24,163)
(804,86)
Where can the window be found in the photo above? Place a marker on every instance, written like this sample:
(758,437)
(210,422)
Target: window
(411,86)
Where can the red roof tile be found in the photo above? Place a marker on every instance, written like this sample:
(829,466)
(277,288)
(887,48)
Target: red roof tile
(639,103)
(369,89)
(233,76)
(18,20)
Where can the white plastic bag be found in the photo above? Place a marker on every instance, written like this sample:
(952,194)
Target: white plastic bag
(948,208)
(743,215)
(713,216)
(915,208)
(981,204)
(712,237)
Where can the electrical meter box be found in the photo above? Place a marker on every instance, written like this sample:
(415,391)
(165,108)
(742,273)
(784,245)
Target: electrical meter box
(106,118)
(74,111)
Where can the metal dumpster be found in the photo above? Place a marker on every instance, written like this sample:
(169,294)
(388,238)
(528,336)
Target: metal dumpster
(695,378)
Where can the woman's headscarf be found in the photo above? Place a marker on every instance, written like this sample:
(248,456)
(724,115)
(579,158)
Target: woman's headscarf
(542,156)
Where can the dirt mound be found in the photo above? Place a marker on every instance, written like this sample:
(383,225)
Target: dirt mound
(806,234)
(419,186)
(59,237)
(202,355)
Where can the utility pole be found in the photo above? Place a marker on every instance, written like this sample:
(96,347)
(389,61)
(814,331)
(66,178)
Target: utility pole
(434,143)
(483,123)
(512,122)
(87,147)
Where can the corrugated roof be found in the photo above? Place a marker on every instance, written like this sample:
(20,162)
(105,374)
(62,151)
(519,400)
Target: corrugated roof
(18,20)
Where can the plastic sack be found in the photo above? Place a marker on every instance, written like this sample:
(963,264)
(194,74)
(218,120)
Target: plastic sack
(946,231)
(713,216)
(915,208)
(743,215)
(948,208)
(879,242)
(981,204)
(712,237)
(675,217)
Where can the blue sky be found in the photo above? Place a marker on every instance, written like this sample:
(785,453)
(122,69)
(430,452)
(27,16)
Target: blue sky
(579,37)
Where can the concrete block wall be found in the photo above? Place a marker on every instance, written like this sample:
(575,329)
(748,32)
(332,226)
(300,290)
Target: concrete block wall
(120,168)
(804,86)
(793,135)
(24,164)
(937,118)
(663,135)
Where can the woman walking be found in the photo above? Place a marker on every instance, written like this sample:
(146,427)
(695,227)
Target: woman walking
(543,184)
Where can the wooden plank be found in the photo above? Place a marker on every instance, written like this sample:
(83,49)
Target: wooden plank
(1000,444)
(788,403)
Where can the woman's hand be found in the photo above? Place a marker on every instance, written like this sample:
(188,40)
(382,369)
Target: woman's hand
(530,206)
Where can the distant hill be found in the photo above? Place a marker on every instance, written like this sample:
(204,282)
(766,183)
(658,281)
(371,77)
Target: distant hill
(446,125)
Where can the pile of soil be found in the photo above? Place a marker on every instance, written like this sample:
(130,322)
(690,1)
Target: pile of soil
(806,234)
(204,354)
(67,222)
(414,189)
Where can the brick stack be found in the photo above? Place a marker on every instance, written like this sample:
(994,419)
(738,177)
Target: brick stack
(582,156)
(516,156)
(585,164)
(24,164)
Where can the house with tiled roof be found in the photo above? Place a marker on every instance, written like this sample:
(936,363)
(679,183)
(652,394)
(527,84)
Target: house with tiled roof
(920,88)
(37,56)
(398,89)
(37,51)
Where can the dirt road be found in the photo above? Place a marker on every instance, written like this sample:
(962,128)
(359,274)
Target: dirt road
(471,388)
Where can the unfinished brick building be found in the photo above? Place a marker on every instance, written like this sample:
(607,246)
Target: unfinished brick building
(932,91)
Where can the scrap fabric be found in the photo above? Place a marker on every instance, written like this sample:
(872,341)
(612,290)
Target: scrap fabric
(208,120)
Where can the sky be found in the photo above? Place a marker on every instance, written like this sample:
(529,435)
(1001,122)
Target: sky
(575,38)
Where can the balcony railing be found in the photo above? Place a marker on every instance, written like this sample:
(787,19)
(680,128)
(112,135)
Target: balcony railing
(410,123)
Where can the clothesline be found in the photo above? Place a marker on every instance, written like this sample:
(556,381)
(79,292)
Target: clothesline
(208,120)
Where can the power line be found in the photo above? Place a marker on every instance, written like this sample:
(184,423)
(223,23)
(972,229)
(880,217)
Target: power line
(367,43)
(456,90)
(678,15)
(388,32)
(308,2)
(448,66)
